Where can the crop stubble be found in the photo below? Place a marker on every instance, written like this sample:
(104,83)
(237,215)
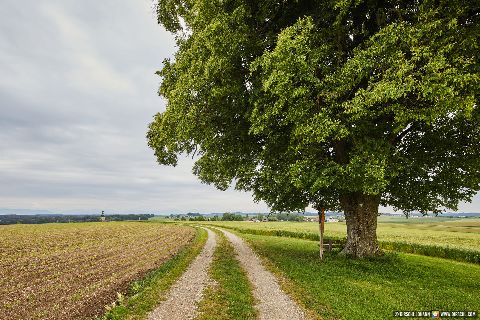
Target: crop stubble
(71,271)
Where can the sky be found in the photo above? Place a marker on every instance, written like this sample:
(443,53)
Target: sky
(77,92)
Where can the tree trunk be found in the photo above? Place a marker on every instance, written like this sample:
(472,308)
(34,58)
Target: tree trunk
(361,213)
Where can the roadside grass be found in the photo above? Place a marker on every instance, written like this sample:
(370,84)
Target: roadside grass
(145,294)
(457,240)
(340,288)
(230,297)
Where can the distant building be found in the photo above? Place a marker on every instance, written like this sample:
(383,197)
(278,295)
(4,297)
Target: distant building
(316,219)
(102,216)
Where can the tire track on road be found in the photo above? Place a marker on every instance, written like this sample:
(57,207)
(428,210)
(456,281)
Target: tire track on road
(187,291)
(273,302)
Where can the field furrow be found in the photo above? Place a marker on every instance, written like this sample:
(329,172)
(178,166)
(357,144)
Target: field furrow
(71,271)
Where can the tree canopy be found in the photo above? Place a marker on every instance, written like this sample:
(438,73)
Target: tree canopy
(325,103)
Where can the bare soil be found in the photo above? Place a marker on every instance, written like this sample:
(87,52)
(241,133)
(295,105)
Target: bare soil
(71,271)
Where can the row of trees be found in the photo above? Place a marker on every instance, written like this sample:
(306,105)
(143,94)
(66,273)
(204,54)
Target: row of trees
(226,217)
(238,217)
(282,217)
(39,219)
(342,105)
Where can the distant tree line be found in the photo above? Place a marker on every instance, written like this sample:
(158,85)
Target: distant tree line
(226,217)
(284,217)
(232,217)
(123,217)
(39,219)
(238,217)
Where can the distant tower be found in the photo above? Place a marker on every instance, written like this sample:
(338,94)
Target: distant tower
(102,217)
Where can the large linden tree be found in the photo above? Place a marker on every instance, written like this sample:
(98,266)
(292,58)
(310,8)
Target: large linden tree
(341,104)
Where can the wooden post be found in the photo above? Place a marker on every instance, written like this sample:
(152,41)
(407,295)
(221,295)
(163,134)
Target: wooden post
(321,224)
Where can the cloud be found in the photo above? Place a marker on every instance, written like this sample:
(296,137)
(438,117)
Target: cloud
(77,91)
(89,72)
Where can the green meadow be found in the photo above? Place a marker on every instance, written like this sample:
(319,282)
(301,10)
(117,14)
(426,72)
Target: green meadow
(435,231)
(340,288)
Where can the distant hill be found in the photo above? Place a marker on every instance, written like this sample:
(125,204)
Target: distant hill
(6,211)
(64,218)
(460,214)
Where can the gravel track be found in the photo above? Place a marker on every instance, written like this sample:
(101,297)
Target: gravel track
(188,290)
(273,303)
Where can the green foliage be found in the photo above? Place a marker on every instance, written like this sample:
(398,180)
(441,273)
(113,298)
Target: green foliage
(288,217)
(272,218)
(305,102)
(338,288)
(232,217)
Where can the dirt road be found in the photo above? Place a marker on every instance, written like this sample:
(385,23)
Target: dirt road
(273,302)
(185,294)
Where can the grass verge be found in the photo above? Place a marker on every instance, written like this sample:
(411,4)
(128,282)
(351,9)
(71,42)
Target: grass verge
(340,288)
(145,294)
(230,297)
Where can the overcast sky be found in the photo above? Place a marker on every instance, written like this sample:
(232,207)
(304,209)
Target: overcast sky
(77,91)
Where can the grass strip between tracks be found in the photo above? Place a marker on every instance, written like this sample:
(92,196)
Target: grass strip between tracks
(230,296)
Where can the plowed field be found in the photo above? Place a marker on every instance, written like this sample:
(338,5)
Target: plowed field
(71,271)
